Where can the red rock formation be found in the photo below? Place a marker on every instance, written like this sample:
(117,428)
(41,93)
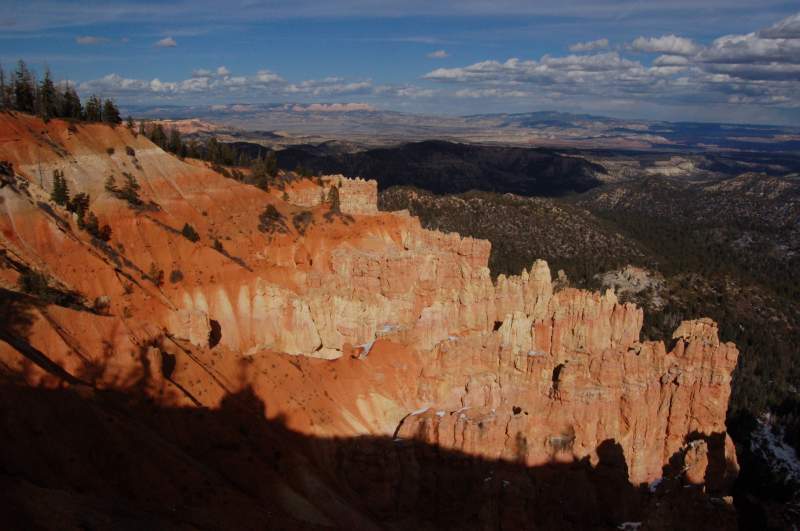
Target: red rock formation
(416,341)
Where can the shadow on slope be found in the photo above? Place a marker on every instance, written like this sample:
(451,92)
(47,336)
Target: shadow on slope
(446,167)
(77,458)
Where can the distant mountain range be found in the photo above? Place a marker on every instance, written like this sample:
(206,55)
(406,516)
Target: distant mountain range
(543,128)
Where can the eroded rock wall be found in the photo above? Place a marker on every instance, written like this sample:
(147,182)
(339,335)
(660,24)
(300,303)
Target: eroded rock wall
(359,324)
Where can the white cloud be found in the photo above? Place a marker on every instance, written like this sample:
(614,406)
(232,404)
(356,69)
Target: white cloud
(759,68)
(329,86)
(166,42)
(333,107)
(438,54)
(265,76)
(589,46)
(670,60)
(751,48)
(788,28)
(114,83)
(405,91)
(669,44)
(88,40)
(491,93)
(214,83)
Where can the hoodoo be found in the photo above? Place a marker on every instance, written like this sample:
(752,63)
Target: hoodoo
(293,362)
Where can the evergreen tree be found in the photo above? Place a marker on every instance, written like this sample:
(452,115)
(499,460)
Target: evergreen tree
(175,143)
(48,98)
(129,122)
(142,129)
(5,101)
(111,185)
(105,232)
(272,164)
(110,113)
(91,224)
(79,204)
(333,199)
(130,191)
(158,136)
(60,193)
(93,109)
(71,107)
(190,233)
(24,89)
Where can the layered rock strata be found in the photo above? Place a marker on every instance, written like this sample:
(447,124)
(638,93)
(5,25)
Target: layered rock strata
(362,324)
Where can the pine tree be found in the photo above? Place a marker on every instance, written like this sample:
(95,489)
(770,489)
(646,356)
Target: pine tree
(5,103)
(93,109)
(111,185)
(105,232)
(71,106)
(130,191)
(24,89)
(79,204)
(175,143)
(111,113)
(272,164)
(91,223)
(142,129)
(213,150)
(60,193)
(48,98)
(158,136)
(129,122)
(333,199)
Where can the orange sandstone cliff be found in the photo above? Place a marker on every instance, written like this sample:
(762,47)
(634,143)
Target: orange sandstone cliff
(360,371)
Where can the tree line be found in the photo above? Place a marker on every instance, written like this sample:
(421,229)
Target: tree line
(263,165)
(21,91)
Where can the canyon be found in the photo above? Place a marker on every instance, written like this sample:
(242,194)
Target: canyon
(328,365)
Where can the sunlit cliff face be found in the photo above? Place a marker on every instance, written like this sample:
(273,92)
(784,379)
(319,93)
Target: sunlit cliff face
(355,323)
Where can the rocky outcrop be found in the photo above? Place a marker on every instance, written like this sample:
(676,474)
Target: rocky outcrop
(356,196)
(360,324)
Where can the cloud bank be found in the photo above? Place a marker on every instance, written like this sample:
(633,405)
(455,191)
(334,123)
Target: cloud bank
(761,68)
(166,42)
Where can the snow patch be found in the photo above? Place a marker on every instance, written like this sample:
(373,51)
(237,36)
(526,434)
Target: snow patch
(365,348)
(767,442)
(388,328)
(654,485)
(420,411)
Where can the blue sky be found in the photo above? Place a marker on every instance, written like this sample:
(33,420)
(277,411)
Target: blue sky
(723,60)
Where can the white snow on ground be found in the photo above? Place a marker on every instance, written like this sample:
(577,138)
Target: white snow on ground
(654,485)
(440,413)
(629,526)
(767,442)
(420,411)
(366,347)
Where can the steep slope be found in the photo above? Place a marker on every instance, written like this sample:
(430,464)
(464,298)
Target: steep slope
(374,372)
